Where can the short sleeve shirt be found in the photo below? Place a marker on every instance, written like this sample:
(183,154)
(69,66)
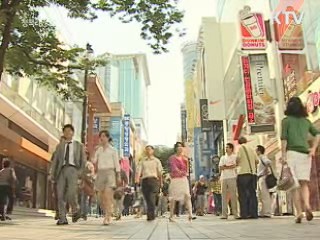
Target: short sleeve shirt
(228,161)
(245,165)
(295,131)
(150,167)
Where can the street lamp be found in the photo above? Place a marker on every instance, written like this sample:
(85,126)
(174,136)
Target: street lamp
(89,53)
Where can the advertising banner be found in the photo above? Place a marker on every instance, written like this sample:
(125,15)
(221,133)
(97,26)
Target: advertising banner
(184,125)
(204,115)
(253,31)
(197,151)
(262,90)
(251,118)
(115,132)
(126,135)
(96,130)
(288,25)
(295,79)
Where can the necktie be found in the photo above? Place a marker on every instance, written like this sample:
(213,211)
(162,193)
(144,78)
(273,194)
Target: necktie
(66,157)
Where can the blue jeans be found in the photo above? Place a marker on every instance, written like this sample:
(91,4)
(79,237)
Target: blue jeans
(85,207)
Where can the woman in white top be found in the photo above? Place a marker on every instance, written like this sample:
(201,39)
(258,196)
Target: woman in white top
(106,161)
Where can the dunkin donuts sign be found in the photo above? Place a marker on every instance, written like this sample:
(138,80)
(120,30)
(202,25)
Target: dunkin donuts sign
(253,30)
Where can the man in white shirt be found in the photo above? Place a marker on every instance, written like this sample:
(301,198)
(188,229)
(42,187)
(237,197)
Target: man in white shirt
(228,169)
(150,172)
(263,191)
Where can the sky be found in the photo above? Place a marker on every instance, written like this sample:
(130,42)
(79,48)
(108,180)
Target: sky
(166,92)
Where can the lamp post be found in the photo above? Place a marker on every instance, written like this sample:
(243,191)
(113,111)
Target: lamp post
(89,52)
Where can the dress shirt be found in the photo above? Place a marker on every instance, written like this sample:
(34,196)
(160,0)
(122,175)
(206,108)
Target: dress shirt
(106,158)
(149,167)
(263,168)
(71,153)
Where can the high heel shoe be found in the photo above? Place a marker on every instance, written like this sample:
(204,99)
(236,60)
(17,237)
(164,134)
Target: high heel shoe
(171,219)
(298,219)
(309,215)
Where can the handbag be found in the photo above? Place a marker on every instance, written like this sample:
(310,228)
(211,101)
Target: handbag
(286,180)
(88,188)
(271,180)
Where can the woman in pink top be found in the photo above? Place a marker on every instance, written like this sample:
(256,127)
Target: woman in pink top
(179,189)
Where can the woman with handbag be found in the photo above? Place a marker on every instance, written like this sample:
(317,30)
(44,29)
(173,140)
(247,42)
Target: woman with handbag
(107,165)
(297,154)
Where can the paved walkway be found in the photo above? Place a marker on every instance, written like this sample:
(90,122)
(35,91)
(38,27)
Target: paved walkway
(208,227)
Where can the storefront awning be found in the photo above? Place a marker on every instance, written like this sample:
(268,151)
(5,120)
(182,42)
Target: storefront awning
(96,97)
(22,150)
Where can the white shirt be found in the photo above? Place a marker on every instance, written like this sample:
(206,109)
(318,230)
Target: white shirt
(106,158)
(262,170)
(228,161)
(149,167)
(71,153)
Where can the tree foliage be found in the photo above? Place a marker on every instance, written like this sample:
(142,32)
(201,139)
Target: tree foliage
(163,153)
(30,47)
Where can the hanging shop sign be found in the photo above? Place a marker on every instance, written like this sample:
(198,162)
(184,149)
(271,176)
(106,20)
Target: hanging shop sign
(262,90)
(115,132)
(184,125)
(253,30)
(248,89)
(204,114)
(287,20)
(126,135)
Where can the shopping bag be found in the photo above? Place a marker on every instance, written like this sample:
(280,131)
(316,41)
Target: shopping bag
(287,181)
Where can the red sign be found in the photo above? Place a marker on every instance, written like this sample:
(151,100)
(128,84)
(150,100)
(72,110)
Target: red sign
(313,102)
(253,31)
(248,89)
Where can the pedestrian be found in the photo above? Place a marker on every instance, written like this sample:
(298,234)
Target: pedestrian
(68,164)
(247,161)
(150,174)
(263,191)
(228,169)
(119,195)
(7,179)
(200,190)
(87,188)
(179,187)
(297,153)
(215,186)
(163,201)
(127,201)
(106,161)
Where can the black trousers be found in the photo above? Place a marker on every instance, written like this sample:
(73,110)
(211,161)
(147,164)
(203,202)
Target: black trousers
(150,190)
(247,187)
(11,200)
(4,194)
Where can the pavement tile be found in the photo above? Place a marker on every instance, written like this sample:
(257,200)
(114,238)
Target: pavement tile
(204,228)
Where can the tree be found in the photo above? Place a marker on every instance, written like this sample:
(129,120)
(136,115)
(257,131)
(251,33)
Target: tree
(29,45)
(163,153)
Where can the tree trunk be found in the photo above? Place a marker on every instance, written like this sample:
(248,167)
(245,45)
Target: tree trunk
(10,11)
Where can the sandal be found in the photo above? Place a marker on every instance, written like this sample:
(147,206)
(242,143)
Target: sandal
(309,215)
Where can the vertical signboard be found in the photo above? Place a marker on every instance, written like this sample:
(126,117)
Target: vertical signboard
(197,151)
(183,124)
(204,115)
(295,81)
(96,130)
(126,135)
(248,89)
(253,31)
(115,132)
(262,90)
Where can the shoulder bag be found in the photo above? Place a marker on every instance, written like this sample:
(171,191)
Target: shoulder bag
(271,180)
(286,180)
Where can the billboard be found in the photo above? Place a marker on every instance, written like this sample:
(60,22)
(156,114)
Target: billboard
(295,81)
(288,25)
(258,90)
(262,90)
(204,115)
(115,132)
(126,135)
(253,30)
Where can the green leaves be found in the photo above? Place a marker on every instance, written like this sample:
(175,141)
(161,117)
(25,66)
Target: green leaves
(163,153)
(31,48)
